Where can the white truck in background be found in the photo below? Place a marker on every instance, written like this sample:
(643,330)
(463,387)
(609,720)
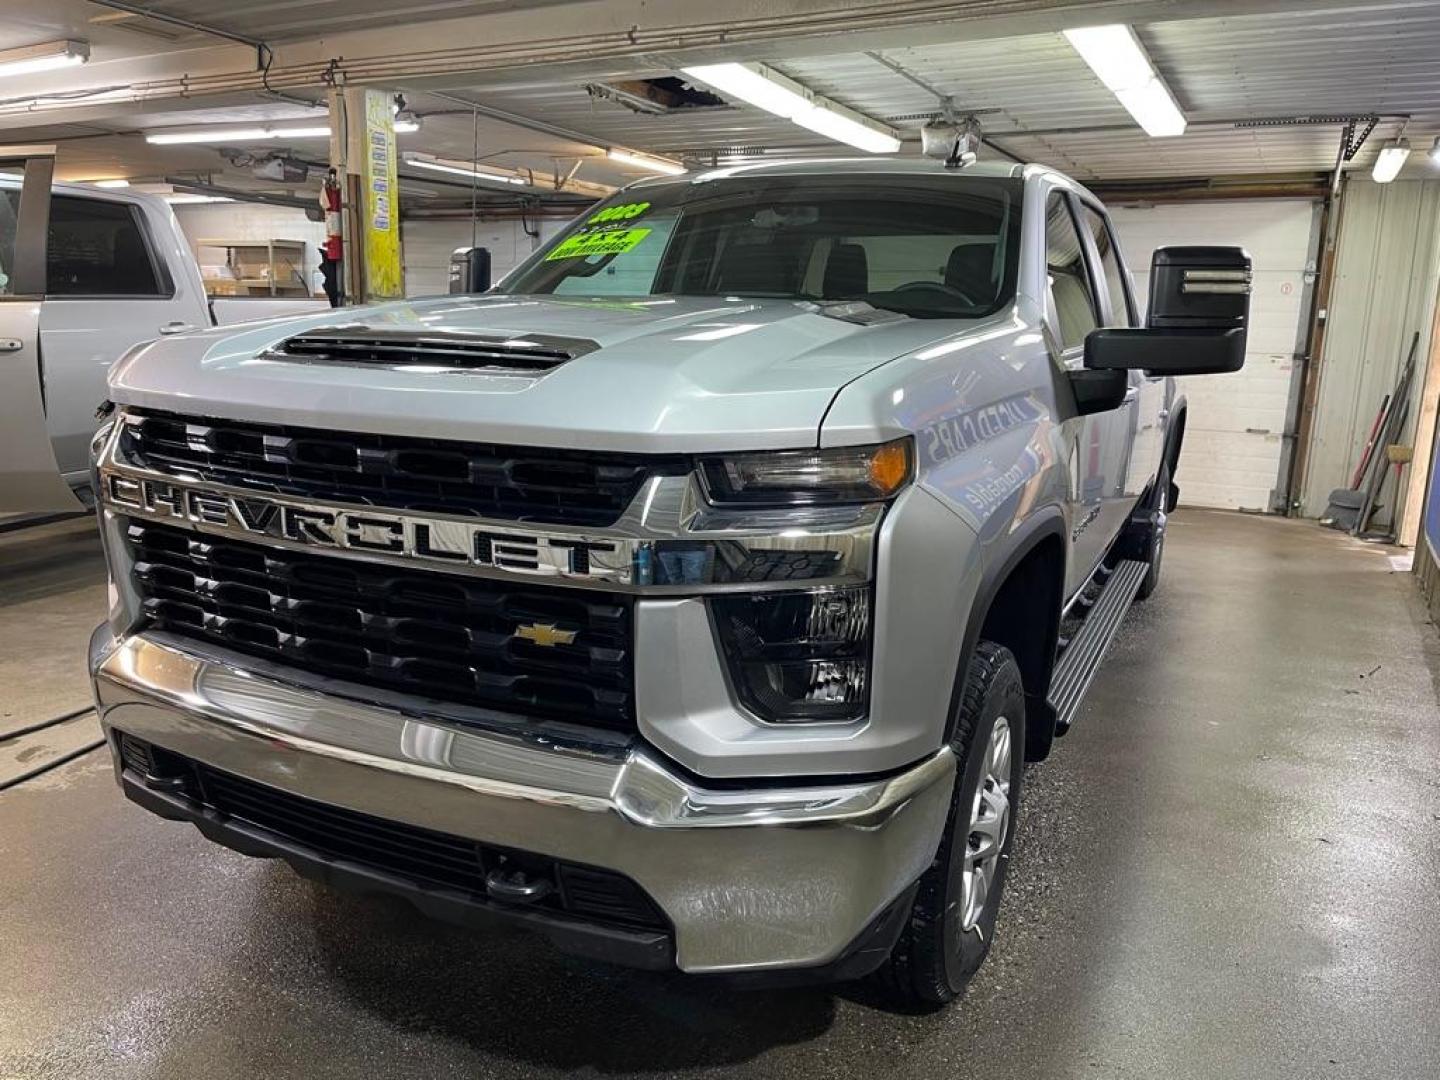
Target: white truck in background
(85,273)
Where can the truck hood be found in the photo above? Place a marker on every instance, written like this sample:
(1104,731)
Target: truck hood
(690,374)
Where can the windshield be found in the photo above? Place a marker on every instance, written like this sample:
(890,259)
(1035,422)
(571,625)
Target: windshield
(927,247)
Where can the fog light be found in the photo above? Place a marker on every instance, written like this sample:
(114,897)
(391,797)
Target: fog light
(799,657)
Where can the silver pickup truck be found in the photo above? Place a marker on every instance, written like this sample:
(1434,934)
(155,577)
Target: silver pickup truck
(695,596)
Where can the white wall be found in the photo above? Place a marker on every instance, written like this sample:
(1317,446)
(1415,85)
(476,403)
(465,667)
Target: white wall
(1234,431)
(1386,269)
(426,245)
(253,221)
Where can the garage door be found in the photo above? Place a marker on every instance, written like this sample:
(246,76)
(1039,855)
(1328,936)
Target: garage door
(1234,432)
(428,245)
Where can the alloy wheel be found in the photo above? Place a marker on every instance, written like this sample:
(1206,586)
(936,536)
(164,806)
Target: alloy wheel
(989,826)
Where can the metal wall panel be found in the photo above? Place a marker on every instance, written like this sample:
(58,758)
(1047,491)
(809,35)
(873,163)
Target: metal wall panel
(1234,433)
(1386,271)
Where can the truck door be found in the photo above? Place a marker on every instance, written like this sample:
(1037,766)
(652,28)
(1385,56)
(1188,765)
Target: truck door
(108,287)
(1072,310)
(29,476)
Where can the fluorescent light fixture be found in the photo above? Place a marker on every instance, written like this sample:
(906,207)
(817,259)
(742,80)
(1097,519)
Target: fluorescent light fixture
(1390,161)
(187,198)
(479,172)
(1116,57)
(650,162)
(110,183)
(46,57)
(749,83)
(240,134)
(765,88)
(405,127)
(846,129)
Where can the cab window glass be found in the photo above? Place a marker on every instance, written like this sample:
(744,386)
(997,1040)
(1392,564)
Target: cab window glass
(1120,314)
(933,248)
(9,226)
(97,248)
(1072,303)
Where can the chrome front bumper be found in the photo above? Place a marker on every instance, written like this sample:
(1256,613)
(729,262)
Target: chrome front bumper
(751,879)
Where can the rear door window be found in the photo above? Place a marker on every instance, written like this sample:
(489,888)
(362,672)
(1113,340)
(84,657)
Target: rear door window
(99,248)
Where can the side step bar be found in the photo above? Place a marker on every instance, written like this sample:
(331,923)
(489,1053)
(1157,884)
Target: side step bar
(1079,663)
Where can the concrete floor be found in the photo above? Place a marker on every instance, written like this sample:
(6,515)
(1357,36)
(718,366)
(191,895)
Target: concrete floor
(1230,869)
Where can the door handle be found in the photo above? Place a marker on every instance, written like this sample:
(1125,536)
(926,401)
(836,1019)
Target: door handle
(176,327)
(11,344)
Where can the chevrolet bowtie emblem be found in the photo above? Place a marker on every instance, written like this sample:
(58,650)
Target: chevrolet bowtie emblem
(546,634)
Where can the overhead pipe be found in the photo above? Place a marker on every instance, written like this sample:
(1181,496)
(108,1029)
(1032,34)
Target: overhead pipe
(264,54)
(200,187)
(554,211)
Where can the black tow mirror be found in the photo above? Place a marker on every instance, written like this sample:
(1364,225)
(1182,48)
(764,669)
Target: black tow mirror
(1198,317)
(470,270)
(1098,391)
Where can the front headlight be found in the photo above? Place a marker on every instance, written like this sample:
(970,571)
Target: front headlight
(845,474)
(105,416)
(801,657)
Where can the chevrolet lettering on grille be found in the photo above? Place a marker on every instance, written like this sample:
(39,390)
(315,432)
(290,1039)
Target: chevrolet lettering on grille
(405,536)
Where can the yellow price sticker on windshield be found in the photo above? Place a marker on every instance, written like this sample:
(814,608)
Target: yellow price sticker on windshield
(583,245)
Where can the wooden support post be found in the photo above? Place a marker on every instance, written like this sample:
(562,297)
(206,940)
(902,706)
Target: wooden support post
(1424,436)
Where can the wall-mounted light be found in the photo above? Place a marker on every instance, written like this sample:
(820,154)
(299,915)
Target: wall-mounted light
(649,162)
(221,134)
(765,88)
(1390,161)
(46,57)
(1117,58)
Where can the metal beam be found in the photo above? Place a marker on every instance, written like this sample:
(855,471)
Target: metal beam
(1206,188)
(174,20)
(200,187)
(529,123)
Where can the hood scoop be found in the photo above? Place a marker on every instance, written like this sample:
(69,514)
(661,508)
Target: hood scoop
(440,351)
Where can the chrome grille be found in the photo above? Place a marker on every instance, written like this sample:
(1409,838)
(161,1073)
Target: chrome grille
(432,634)
(565,487)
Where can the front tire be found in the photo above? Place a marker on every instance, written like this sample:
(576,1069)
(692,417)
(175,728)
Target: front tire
(1152,576)
(952,923)
(1157,538)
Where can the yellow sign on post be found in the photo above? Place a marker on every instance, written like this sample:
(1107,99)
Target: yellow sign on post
(384,277)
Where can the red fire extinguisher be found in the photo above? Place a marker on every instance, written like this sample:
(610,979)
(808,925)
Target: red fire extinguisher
(332,251)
